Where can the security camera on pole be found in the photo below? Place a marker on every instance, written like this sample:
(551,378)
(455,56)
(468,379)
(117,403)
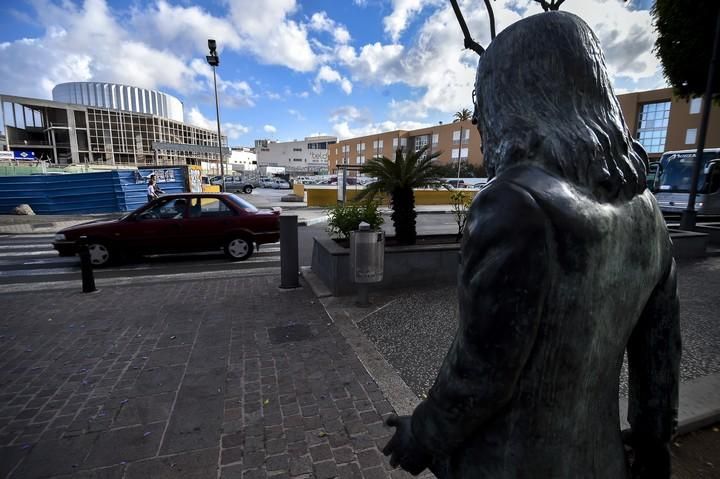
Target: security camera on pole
(214,60)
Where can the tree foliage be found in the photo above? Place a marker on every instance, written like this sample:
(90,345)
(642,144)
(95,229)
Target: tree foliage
(686,32)
(342,219)
(397,178)
(462,115)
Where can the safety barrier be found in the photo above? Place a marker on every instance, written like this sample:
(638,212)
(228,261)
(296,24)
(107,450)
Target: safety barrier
(79,193)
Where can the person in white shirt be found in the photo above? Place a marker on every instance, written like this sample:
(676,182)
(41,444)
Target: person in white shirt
(151,193)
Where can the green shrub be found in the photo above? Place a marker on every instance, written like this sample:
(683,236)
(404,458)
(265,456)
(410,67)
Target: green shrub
(342,219)
(460,202)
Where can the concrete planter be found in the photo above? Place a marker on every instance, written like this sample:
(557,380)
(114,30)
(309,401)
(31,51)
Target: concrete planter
(712,230)
(689,244)
(404,265)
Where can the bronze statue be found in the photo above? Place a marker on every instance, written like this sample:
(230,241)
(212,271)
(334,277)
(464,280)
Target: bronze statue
(566,263)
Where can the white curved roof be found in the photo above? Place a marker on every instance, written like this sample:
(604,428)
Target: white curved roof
(120,97)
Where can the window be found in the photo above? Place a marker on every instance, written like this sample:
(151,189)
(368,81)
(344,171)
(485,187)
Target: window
(359,160)
(420,141)
(377,144)
(167,210)
(435,138)
(690,136)
(652,126)
(209,208)
(695,105)
(360,147)
(463,152)
(297,149)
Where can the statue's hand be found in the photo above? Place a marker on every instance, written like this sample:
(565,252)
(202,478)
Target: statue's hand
(403,449)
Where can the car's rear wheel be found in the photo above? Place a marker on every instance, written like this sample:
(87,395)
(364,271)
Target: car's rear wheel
(100,254)
(239,248)
(247,189)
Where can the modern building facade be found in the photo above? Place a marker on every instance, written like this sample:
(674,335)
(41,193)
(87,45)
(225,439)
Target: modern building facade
(663,122)
(95,133)
(243,159)
(660,121)
(459,141)
(120,97)
(306,156)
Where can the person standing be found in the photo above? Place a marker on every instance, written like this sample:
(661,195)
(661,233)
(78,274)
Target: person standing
(151,193)
(158,191)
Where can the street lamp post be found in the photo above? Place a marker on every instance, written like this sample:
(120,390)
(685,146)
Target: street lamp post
(459,156)
(214,60)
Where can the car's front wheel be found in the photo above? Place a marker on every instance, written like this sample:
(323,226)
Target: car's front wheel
(239,248)
(247,189)
(100,254)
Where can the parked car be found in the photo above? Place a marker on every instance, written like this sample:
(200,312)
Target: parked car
(265,182)
(233,184)
(177,223)
(280,184)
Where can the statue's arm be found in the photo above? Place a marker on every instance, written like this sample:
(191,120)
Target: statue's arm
(654,352)
(503,284)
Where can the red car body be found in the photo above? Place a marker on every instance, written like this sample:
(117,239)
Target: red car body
(177,223)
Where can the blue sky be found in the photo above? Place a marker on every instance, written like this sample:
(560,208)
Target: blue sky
(291,68)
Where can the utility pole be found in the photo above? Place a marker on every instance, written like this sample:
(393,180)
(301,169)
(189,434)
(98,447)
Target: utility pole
(214,60)
(459,156)
(687,220)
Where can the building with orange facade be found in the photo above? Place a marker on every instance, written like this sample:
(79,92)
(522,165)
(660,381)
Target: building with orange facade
(659,120)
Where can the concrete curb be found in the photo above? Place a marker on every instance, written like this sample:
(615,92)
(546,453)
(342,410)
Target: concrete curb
(313,221)
(54,227)
(699,402)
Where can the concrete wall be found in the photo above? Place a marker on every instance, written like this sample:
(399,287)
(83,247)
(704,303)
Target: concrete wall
(327,196)
(404,266)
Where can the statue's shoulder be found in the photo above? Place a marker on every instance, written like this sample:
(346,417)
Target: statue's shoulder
(529,180)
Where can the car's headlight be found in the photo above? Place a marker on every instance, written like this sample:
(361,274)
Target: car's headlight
(59,237)
(700,204)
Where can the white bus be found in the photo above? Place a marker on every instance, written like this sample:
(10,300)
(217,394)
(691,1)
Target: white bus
(673,177)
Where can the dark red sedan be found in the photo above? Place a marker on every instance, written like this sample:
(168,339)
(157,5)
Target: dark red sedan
(177,223)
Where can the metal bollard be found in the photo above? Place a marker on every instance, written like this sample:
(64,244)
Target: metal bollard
(289,260)
(88,278)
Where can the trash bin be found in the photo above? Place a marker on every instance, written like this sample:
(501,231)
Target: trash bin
(367,258)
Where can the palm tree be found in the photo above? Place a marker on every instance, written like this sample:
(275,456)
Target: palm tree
(398,178)
(462,115)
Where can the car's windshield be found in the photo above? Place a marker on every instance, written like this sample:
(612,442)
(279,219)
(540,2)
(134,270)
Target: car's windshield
(242,203)
(677,176)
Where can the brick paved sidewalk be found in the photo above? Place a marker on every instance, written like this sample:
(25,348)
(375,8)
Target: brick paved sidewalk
(222,378)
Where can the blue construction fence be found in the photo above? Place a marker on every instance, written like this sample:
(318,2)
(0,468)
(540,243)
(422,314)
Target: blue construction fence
(78,193)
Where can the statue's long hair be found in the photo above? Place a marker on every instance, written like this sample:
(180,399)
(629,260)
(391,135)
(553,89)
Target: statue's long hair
(543,96)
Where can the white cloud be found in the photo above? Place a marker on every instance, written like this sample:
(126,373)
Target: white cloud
(322,23)
(232,130)
(403,11)
(187,29)
(328,75)
(269,129)
(81,43)
(349,114)
(441,73)
(376,63)
(266,31)
(195,117)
